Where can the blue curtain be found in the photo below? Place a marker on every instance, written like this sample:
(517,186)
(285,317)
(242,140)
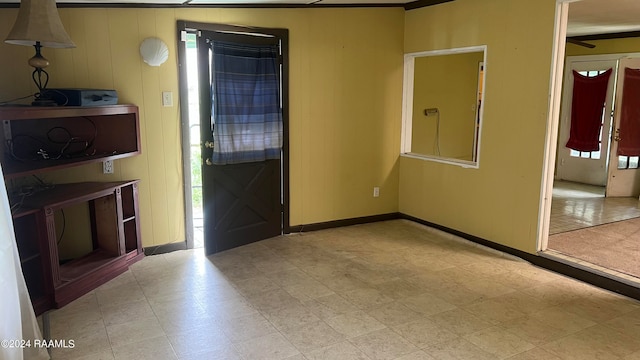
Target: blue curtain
(246,114)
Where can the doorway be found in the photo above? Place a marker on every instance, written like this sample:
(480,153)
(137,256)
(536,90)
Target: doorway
(594,213)
(246,202)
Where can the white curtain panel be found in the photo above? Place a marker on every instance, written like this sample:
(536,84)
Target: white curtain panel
(18,324)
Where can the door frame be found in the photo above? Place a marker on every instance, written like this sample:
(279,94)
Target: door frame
(190,26)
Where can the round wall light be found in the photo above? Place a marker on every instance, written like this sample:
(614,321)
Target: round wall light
(154,51)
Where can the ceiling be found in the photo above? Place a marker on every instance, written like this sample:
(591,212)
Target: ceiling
(586,17)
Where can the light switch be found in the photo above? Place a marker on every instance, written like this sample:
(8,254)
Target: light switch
(167,98)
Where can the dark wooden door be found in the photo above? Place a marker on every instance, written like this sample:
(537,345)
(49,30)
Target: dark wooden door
(242,202)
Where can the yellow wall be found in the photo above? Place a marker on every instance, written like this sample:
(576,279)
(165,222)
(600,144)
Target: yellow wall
(345,103)
(450,84)
(500,200)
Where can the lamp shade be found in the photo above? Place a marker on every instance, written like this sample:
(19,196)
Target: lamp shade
(154,51)
(38,21)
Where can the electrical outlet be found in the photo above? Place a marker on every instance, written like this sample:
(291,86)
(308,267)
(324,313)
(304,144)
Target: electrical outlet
(376,191)
(167,98)
(107,167)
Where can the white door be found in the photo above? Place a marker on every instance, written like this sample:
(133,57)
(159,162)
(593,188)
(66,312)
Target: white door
(580,166)
(624,176)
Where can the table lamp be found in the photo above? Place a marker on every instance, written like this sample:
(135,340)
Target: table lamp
(38,24)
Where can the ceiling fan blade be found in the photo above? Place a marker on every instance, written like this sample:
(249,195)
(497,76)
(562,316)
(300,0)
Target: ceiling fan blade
(580,43)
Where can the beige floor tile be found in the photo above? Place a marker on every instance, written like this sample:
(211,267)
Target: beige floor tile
(458,349)
(383,344)
(494,312)
(134,331)
(598,310)
(366,298)
(525,303)
(458,295)
(354,324)
(424,333)
(118,314)
(255,285)
(343,351)
(394,313)
(459,321)
(534,354)
(106,354)
(628,323)
(120,295)
(76,323)
(534,330)
(197,344)
(85,305)
(273,346)
(308,291)
(418,355)
(90,339)
(168,308)
(559,318)
(178,323)
(427,304)
(400,288)
(227,309)
(157,348)
(290,317)
(273,299)
(247,327)
(596,342)
(499,343)
(313,336)
(330,306)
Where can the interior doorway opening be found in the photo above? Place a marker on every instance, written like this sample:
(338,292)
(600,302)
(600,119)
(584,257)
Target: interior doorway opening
(579,225)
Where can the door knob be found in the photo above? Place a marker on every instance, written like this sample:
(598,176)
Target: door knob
(617,136)
(208,144)
(208,162)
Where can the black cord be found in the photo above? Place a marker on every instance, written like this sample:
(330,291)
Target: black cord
(57,135)
(24,191)
(7,102)
(64,226)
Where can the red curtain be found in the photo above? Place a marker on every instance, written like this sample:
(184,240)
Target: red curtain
(629,143)
(589,95)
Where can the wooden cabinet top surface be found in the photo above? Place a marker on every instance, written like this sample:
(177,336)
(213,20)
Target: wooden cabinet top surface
(65,194)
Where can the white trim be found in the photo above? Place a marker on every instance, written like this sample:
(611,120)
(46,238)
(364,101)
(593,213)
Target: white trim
(407,103)
(555,98)
(407,106)
(462,163)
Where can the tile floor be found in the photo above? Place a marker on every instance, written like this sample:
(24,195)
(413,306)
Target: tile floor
(593,232)
(388,290)
(576,206)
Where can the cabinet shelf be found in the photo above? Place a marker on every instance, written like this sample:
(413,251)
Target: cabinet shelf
(86,264)
(41,139)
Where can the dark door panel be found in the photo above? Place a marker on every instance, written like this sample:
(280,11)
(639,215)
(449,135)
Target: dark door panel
(245,204)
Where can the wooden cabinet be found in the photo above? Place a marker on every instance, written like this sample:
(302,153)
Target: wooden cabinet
(44,139)
(50,138)
(115,240)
